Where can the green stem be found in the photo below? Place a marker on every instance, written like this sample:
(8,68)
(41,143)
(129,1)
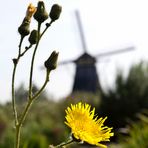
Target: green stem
(64,144)
(47,26)
(24,114)
(18,128)
(21,40)
(44,85)
(15,62)
(31,98)
(33,56)
(32,62)
(26,49)
(13,95)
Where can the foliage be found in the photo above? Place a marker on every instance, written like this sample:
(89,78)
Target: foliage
(45,123)
(129,97)
(138,135)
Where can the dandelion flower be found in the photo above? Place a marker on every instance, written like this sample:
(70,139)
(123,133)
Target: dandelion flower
(85,126)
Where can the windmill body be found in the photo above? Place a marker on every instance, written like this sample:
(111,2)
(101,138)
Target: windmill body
(86,77)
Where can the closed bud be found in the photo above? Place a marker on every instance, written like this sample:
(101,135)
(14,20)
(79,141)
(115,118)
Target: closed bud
(51,62)
(30,11)
(24,28)
(55,12)
(41,14)
(33,38)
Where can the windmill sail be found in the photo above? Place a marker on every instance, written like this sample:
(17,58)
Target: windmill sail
(127,49)
(84,47)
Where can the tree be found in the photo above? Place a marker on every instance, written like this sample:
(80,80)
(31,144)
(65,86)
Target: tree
(129,97)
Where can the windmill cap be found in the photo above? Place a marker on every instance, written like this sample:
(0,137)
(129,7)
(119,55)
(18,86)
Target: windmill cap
(85,59)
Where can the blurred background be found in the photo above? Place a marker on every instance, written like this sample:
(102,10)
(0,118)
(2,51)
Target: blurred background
(102,61)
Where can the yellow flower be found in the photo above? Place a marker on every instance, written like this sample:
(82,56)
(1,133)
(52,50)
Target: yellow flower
(85,126)
(30,11)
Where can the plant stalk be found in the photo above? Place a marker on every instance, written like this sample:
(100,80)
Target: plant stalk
(24,114)
(32,62)
(30,96)
(62,144)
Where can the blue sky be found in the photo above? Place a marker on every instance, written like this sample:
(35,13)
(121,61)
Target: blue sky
(108,25)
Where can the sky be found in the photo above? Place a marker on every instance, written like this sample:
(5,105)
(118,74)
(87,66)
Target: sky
(108,25)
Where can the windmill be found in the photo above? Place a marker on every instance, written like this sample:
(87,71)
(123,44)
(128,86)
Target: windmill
(86,77)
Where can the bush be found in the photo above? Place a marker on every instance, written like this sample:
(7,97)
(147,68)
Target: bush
(129,97)
(138,135)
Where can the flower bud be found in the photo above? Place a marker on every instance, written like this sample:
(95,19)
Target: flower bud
(41,14)
(30,11)
(55,12)
(33,38)
(24,28)
(51,62)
